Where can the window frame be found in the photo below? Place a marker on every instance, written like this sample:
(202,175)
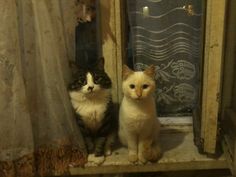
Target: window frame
(228,106)
(212,72)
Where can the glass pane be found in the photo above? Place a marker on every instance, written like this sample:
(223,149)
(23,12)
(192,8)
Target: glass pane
(168,34)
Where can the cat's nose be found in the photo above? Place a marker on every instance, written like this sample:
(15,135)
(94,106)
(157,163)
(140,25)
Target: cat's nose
(139,93)
(139,96)
(90,88)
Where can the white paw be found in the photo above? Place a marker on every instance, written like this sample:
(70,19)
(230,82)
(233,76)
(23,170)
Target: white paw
(141,159)
(96,160)
(133,158)
(108,152)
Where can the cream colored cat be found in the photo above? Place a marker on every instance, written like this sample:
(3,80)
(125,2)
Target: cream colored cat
(138,124)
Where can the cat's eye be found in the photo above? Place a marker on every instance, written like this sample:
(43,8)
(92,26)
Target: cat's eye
(132,86)
(82,82)
(145,86)
(97,80)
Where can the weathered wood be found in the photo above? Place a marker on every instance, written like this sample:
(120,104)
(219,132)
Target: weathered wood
(110,12)
(228,144)
(229,141)
(176,124)
(234,88)
(179,154)
(198,141)
(120,15)
(231,119)
(234,159)
(214,37)
(229,58)
(178,121)
(228,107)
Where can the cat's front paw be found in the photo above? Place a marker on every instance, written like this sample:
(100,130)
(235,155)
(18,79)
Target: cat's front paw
(141,159)
(108,152)
(133,158)
(96,160)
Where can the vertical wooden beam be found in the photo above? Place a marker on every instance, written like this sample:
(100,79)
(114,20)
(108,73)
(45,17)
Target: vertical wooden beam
(234,89)
(111,31)
(229,59)
(234,160)
(120,15)
(228,106)
(214,41)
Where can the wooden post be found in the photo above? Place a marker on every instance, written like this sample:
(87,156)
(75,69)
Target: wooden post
(213,52)
(111,31)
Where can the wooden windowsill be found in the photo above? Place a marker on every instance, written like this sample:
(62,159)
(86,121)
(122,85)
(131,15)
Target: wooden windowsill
(180,153)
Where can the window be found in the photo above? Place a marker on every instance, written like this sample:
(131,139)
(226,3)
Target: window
(200,55)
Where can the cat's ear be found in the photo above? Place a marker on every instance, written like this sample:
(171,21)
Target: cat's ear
(150,71)
(100,63)
(126,71)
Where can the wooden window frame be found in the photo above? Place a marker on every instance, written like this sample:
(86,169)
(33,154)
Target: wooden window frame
(112,42)
(212,72)
(228,106)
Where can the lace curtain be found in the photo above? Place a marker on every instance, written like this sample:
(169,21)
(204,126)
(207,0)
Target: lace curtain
(38,133)
(168,34)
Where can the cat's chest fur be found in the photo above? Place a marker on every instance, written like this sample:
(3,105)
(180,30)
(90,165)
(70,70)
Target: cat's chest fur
(137,116)
(92,110)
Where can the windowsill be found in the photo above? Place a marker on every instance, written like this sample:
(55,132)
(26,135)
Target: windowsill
(180,153)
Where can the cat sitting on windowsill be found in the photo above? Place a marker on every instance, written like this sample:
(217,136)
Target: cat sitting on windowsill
(90,94)
(138,124)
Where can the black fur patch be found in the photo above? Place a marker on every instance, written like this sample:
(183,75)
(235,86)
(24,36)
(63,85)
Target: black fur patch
(97,71)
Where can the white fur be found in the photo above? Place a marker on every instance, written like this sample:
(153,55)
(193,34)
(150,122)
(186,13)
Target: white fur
(91,105)
(139,127)
(138,78)
(92,159)
(90,83)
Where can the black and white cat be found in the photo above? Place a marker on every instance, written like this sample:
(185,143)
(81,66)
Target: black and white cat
(90,94)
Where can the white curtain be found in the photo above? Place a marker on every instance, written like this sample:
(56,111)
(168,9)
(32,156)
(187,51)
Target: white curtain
(38,133)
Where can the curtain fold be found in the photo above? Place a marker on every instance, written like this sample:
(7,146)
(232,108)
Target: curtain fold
(37,127)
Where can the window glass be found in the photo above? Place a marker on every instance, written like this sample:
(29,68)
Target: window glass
(168,34)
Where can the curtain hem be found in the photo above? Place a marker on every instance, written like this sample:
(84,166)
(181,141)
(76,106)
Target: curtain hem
(45,161)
